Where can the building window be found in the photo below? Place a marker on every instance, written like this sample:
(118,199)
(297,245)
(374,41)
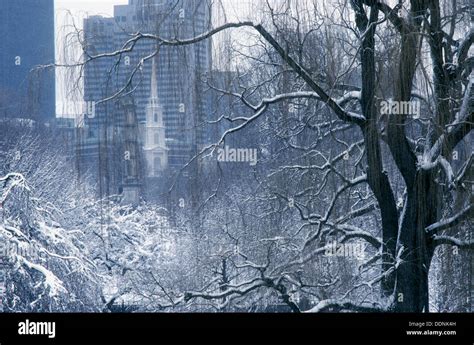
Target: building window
(157,138)
(155,118)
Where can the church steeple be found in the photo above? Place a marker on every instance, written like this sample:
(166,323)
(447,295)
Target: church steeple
(156,152)
(154,108)
(154,84)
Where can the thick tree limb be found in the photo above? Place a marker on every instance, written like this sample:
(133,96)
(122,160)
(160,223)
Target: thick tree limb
(451,221)
(334,305)
(449,240)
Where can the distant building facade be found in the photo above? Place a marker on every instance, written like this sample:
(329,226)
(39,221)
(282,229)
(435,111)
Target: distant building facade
(176,96)
(27,31)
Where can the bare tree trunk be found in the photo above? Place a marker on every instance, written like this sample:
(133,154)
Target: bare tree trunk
(412,275)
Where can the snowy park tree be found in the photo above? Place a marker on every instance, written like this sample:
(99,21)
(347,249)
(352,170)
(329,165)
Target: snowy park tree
(45,262)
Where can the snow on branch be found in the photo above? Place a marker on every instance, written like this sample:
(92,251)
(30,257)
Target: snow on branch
(10,182)
(449,240)
(51,281)
(451,221)
(455,132)
(333,305)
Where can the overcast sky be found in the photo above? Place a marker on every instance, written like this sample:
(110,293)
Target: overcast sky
(92,7)
(82,8)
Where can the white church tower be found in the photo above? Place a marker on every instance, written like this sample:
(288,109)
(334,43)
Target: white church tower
(156,152)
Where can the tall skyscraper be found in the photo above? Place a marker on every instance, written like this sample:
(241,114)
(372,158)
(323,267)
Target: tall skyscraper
(179,71)
(27,31)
